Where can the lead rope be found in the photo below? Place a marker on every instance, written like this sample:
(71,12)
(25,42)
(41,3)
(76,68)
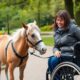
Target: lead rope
(33,53)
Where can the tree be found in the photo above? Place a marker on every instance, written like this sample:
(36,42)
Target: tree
(69,7)
(77,11)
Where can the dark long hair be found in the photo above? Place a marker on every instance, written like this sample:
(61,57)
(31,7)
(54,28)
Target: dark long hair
(65,16)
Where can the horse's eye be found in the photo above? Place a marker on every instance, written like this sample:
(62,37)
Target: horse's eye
(32,35)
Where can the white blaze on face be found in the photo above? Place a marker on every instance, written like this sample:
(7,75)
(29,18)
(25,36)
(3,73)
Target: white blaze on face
(40,46)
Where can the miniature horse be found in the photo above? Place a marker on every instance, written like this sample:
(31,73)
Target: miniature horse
(14,49)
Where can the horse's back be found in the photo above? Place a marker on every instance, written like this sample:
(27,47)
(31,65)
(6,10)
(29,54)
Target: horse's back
(3,42)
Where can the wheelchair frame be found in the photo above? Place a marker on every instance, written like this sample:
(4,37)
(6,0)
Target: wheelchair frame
(64,71)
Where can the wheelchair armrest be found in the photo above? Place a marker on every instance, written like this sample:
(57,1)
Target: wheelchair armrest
(70,55)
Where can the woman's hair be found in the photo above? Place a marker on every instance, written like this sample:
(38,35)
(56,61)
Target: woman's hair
(65,16)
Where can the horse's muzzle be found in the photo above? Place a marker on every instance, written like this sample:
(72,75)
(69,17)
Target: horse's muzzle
(43,51)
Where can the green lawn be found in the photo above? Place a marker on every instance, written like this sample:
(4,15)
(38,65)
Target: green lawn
(49,41)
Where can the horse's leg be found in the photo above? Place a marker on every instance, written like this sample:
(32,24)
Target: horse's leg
(6,72)
(11,70)
(0,70)
(21,69)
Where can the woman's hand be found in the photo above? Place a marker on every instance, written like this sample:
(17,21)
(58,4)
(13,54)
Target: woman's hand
(57,53)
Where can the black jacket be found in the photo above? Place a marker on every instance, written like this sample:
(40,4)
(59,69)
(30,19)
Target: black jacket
(66,39)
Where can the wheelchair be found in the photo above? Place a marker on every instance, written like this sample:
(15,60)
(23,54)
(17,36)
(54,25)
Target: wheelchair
(66,70)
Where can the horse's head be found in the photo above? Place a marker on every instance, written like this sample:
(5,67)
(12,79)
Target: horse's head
(33,37)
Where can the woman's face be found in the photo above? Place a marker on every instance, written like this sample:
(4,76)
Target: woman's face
(60,22)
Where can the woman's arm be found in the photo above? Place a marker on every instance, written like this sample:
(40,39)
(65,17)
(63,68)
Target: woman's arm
(55,48)
(56,51)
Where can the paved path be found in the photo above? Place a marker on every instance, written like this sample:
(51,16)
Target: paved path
(35,69)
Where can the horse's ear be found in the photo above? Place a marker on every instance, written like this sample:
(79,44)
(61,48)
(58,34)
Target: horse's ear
(35,22)
(25,26)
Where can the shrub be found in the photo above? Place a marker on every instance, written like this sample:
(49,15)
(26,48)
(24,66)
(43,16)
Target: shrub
(46,28)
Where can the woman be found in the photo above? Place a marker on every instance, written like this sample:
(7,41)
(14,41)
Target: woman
(66,34)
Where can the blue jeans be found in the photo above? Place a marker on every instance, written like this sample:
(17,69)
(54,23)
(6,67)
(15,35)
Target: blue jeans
(54,61)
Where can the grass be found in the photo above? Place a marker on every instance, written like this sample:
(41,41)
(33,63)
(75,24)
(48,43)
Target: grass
(49,41)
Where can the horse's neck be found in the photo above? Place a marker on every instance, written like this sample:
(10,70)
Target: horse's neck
(21,46)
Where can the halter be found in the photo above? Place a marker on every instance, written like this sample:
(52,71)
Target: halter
(16,53)
(31,42)
(35,43)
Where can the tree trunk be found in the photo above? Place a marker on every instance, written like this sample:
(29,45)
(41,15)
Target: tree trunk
(69,7)
(38,13)
(77,11)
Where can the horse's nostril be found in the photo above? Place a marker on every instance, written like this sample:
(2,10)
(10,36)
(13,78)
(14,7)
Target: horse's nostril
(43,49)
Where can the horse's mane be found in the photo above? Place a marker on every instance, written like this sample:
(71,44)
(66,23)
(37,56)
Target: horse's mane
(16,35)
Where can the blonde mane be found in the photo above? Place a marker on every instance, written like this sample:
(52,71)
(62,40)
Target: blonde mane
(19,33)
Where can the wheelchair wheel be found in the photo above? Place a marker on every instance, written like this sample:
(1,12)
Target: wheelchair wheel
(65,71)
(48,75)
